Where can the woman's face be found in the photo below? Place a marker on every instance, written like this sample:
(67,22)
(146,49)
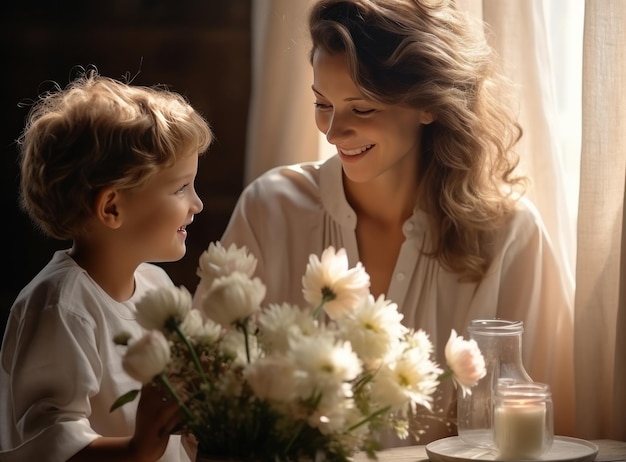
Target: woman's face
(372,139)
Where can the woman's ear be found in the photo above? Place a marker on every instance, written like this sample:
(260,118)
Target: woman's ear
(427,117)
(106,208)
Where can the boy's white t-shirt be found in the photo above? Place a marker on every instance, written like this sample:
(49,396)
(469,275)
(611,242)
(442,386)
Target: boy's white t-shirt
(60,368)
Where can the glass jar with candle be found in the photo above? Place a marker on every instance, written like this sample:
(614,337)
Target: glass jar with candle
(522,420)
(500,343)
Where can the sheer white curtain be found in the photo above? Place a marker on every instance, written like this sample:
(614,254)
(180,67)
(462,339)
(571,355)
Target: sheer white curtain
(601,269)
(282,131)
(281,125)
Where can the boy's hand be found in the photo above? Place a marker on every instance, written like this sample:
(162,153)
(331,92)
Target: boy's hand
(157,417)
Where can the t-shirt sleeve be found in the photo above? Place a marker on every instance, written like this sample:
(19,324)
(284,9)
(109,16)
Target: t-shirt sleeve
(53,371)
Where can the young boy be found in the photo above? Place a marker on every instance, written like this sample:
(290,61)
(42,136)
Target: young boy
(110,167)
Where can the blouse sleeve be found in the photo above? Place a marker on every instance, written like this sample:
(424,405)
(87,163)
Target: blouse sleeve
(534,289)
(244,227)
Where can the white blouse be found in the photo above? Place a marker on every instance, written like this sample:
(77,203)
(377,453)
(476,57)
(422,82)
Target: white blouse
(291,212)
(61,371)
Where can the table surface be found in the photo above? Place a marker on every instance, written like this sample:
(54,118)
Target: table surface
(609,451)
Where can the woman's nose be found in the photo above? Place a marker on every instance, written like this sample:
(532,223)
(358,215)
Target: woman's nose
(338,128)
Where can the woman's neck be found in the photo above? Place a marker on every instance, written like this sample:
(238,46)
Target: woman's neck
(383,200)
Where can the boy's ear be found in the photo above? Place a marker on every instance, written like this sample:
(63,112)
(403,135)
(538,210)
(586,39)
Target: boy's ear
(106,208)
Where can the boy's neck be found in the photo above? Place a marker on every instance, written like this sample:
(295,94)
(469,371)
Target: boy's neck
(107,269)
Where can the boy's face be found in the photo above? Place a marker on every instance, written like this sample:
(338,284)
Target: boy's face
(155,216)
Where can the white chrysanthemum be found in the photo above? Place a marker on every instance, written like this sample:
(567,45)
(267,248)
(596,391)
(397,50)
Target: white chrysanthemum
(278,323)
(466,362)
(324,363)
(233,298)
(199,330)
(234,345)
(217,261)
(419,342)
(272,378)
(374,328)
(330,280)
(408,381)
(147,357)
(331,416)
(160,306)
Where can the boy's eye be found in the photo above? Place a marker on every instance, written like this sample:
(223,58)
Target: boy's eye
(182,188)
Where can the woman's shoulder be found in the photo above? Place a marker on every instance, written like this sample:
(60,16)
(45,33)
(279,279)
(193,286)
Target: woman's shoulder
(526,215)
(525,224)
(299,185)
(286,178)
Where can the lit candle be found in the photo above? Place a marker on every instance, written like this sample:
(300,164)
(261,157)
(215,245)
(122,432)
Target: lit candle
(519,429)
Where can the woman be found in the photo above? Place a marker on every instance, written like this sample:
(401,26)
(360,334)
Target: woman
(423,189)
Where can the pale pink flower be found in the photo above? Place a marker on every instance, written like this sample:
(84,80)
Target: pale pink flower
(329,280)
(465,361)
(147,357)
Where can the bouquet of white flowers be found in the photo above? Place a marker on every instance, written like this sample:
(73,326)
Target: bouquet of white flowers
(284,382)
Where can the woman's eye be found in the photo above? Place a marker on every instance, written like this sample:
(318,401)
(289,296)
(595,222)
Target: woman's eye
(322,106)
(363,111)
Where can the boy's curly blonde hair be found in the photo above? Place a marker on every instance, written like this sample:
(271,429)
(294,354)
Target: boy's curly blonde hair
(99,132)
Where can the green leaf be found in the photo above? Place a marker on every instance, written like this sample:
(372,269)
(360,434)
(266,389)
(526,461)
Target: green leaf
(125,398)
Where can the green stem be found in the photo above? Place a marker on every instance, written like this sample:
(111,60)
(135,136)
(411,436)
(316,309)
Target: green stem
(445,375)
(165,381)
(197,430)
(370,417)
(318,309)
(244,329)
(316,398)
(192,353)
(327,296)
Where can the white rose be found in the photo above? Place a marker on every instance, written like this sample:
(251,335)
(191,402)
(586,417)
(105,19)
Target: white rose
(233,298)
(147,357)
(160,306)
(218,261)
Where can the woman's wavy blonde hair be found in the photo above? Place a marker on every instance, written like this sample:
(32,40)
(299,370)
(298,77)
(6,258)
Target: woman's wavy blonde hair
(429,55)
(99,132)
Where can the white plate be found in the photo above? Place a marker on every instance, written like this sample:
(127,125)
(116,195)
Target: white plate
(564,449)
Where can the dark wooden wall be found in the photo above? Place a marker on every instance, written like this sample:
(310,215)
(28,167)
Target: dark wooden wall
(200,48)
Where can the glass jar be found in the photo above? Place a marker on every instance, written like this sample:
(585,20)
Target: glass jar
(523,425)
(500,343)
